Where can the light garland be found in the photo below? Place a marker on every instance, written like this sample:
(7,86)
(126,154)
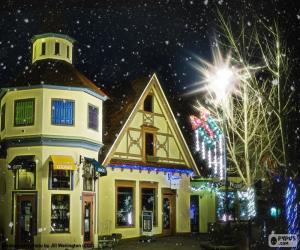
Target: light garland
(291,209)
(151,168)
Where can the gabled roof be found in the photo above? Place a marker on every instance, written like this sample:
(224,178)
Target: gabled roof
(120,110)
(56,73)
(117,110)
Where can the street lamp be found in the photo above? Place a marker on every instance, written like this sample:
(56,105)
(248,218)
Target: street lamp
(219,81)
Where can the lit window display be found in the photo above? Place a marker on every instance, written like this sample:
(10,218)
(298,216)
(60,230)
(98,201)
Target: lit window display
(60,179)
(149,202)
(60,213)
(125,209)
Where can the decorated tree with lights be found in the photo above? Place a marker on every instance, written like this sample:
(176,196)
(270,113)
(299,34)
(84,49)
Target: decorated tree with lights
(248,94)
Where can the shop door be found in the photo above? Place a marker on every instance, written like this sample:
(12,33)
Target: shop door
(87,217)
(25,221)
(169,212)
(194,213)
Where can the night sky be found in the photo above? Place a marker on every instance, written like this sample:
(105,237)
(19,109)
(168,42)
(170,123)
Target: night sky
(118,41)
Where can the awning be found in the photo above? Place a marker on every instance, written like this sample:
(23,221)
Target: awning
(97,166)
(63,162)
(22,161)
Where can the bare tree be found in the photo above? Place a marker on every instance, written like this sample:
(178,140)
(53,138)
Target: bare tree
(253,113)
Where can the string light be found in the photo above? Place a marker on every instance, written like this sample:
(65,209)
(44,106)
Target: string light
(203,150)
(291,209)
(215,160)
(151,168)
(209,158)
(197,140)
(249,197)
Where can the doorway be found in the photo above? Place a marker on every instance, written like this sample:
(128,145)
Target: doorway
(87,218)
(194,213)
(25,220)
(169,211)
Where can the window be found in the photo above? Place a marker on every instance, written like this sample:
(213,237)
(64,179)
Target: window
(88,177)
(25,178)
(60,179)
(148,103)
(149,199)
(93,119)
(24,112)
(43,52)
(57,48)
(3,117)
(149,144)
(68,51)
(60,213)
(62,112)
(125,204)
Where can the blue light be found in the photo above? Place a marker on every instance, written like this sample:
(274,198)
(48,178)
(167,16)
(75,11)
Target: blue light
(291,209)
(151,168)
(273,211)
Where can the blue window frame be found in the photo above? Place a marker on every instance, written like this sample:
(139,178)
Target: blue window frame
(62,112)
(93,117)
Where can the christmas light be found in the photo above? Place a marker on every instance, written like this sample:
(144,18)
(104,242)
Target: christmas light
(249,197)
(209,158)
(212,145)
(215,160)
(291,209)
(203,150)
(151,168)
(197,140)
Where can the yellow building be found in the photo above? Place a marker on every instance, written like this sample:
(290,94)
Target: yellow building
(51,133)
(148,164)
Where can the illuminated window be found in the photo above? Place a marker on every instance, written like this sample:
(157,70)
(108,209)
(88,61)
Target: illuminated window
(43,52)
(93,117)
(57,48)
(60,213)
(148,103)
(149,199)
(25,178)
(60,179)
(125,212)
(3,117)
(24,112)
(62,112)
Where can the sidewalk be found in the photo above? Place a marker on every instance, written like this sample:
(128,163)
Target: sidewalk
(164,243)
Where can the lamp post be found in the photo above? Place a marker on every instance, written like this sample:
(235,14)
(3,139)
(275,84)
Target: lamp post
(219,82)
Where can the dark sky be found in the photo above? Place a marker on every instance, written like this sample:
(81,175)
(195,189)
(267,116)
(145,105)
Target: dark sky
(119,41)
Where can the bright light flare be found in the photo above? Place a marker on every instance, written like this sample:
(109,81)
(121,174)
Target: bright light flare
(219,82)
(219,78)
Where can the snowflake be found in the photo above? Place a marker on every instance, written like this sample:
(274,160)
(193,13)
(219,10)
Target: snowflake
(26,20)
(167,42)
(205,2)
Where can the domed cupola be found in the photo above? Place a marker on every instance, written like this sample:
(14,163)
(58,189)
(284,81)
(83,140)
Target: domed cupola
(52,46)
